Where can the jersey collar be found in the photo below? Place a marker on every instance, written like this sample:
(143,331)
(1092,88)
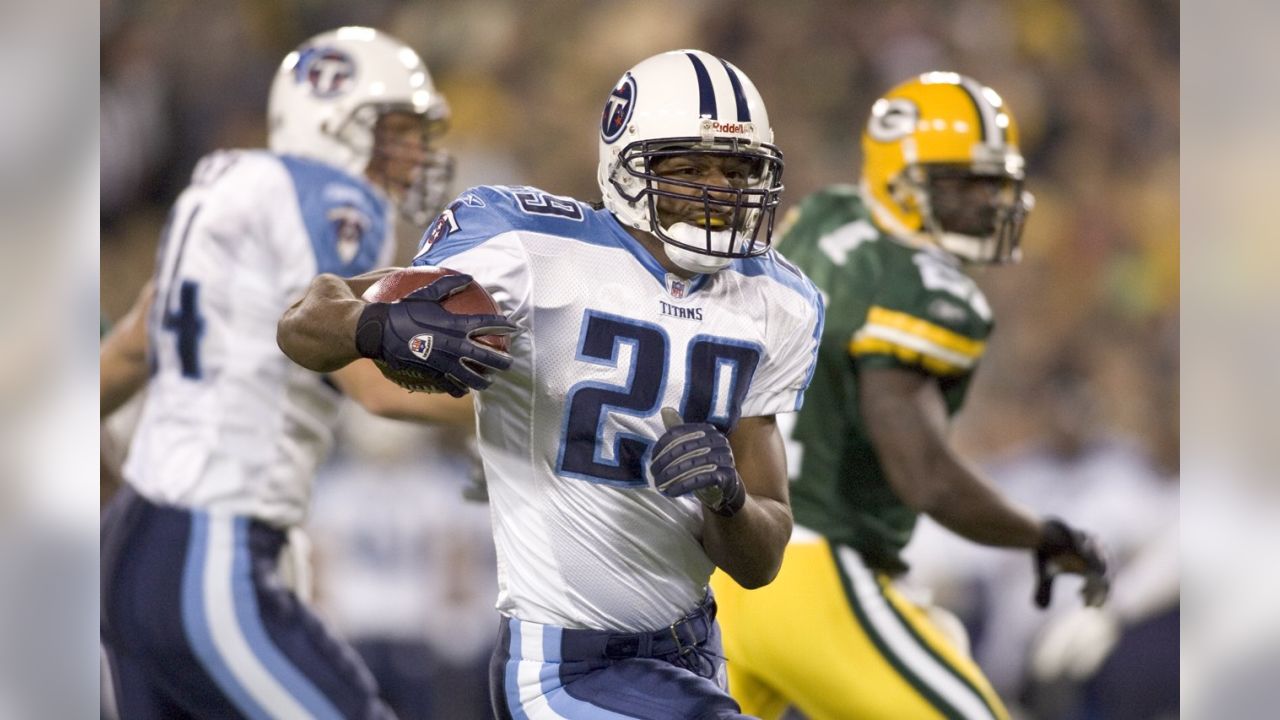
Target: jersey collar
(675,286)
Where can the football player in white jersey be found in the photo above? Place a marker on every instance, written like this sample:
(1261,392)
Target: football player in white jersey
(195,620)
(632,446)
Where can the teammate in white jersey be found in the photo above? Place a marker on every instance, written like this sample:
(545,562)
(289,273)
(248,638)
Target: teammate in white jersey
(195,620)
(632,446)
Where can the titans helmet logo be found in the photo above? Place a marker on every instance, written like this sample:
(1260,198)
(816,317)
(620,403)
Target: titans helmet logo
(617,109)
(328,71)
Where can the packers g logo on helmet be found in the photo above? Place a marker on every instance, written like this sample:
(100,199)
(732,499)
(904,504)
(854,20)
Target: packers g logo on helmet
(892,119)
(941,164)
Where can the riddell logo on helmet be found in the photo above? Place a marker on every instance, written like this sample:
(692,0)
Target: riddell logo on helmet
(730,128)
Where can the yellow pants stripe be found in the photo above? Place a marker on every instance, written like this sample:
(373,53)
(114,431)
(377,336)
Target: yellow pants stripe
(803,641)
(858,605)
(936,644)
(900,628)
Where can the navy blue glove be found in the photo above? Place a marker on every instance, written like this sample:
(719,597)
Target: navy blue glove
(696,458)
(1062,549)
(425,347)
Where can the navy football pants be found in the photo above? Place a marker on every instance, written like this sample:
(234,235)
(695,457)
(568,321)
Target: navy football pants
(196,623)
(543,671)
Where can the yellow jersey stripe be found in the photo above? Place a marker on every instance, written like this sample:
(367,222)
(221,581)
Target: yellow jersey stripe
(871,345)
(925,330)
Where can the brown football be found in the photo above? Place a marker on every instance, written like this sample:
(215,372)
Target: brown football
(472,300)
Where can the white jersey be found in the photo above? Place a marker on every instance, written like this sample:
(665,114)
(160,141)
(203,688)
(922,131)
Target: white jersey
(229,421)
(608,339)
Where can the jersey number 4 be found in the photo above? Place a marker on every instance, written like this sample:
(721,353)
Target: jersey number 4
(717,377)
(179,307)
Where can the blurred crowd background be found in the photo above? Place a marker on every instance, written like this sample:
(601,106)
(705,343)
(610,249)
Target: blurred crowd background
(1074,411)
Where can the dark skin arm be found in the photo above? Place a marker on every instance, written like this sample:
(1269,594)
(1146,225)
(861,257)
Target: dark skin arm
(749,545)
(907,419)
(318,332)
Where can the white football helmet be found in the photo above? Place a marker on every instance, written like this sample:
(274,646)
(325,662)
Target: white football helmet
(329,93)
(682,102)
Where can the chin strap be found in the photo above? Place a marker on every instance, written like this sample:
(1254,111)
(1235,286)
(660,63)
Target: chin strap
(692,260)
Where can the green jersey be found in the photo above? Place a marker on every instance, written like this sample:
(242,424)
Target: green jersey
(889,304)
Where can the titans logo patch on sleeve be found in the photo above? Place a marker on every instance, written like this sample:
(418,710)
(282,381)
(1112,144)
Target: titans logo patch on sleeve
(349,226)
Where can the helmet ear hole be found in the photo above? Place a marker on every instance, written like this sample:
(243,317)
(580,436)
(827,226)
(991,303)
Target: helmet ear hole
(903,191)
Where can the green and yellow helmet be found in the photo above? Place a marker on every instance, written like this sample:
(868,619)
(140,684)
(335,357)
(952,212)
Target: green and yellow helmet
(941,164)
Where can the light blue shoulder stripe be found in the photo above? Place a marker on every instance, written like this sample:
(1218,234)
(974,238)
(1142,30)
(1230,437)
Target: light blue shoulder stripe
(487,211)
(780,270)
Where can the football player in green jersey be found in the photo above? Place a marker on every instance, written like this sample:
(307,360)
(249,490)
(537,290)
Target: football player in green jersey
(942,185)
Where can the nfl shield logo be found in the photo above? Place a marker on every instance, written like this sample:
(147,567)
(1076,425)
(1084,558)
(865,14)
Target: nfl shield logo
(420,345)
(677,287)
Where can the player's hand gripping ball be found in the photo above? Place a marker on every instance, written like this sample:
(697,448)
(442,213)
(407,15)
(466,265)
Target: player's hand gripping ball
(432,329)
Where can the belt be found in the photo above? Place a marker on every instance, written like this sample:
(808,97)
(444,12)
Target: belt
(678,638)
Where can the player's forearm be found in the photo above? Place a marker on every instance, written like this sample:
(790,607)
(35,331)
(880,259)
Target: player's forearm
(318,332)
(122,376)
(967,505)
(363,382)
(122,361)
(749,546)
(360,283)
(928,477)
(907,420)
